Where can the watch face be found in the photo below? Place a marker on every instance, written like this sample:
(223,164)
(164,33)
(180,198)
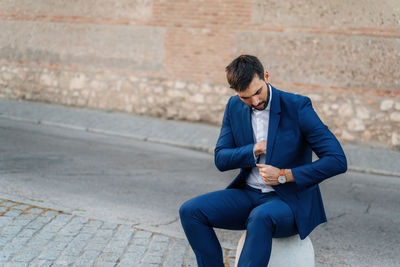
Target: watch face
(282,179)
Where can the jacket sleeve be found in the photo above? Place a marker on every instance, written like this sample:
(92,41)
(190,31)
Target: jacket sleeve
(332,160)
(227,155)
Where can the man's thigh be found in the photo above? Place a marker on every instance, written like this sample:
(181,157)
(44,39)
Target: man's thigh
(227,209)
(281,216)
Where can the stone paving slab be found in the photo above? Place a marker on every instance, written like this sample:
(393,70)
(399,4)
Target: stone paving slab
(198,136)
(37,236)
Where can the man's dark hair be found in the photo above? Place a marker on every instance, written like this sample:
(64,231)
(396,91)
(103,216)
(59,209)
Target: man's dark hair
(241,72)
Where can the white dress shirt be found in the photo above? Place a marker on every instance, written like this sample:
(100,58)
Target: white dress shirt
(259,122)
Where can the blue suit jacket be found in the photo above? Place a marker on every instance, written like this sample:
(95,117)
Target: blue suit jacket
(295,130)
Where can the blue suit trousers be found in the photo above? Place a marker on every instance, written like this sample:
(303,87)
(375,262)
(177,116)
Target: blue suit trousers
(263,215)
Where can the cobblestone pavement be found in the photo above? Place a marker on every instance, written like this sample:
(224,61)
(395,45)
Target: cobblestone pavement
(37,236)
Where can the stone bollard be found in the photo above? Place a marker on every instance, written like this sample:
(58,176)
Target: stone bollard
(289,252)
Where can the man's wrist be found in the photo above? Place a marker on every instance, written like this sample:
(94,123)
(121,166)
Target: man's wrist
(289,176)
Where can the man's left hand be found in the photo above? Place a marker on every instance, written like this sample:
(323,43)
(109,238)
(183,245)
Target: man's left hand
(269,174)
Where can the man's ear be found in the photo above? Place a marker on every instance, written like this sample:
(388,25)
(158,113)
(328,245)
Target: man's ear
(266,76)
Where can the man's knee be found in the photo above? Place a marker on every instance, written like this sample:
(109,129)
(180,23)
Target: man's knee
(263,216)
(186,209)
(189,209)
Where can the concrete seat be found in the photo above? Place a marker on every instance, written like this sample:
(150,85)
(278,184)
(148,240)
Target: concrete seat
(286,252)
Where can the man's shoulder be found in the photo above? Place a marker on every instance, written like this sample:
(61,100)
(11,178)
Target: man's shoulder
(291,99)
(234,101)
(291,96)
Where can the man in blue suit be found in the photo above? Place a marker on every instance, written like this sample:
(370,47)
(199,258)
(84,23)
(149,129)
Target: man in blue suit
(270,135)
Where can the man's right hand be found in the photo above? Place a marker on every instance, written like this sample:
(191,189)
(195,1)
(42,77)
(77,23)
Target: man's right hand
(260,148)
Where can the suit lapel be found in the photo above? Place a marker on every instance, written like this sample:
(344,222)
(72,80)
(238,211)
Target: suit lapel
(274,118)
(247,127)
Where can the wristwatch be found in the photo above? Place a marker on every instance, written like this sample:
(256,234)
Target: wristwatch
(282,177)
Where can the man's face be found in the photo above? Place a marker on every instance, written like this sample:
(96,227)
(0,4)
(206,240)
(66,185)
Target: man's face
(256,94)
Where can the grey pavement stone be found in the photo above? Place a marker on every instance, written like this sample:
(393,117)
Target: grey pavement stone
(3,242)
(81,220)
(152,258)
(97,243)
(130,259)
(49,254)
(43,235)
(35,211)
(3,209)
(104,233)
(16,264)
(115,247)
(105,264)
(48,228)
(161,238)
(50,213)
(21,207)
(141,242)
(37,242)
(88,229)
(27,233)
(63,218)
(84,262)
(124,233)
(56,245)
(11,230)
(158,246)
(94,223)
(91,255)
(143,235)
(147,264)
(26,255)
(5,255)
(35,225)
(64,238)
(137,249)
(5,221)
(21,223)
(109,226)
(29,217)
(64,260)
(83,236)
(41,263)
(190,259)
(74,248)
(176,254)
(8,203)
(43,220)
(12,213)
(67,233)
(109,257)
(17,242)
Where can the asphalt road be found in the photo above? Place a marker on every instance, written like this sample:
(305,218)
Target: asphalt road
(122,179)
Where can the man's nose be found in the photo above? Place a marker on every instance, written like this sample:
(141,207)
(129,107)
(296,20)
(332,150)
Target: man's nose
(254,101)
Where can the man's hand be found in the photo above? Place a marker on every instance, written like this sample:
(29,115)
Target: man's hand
(269,174)
(260,148)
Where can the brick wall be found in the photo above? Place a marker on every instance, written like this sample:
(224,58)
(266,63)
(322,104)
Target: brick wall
(167,58)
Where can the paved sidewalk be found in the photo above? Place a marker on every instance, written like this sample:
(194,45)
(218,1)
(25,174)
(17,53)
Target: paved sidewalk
(196,136)
(37,236)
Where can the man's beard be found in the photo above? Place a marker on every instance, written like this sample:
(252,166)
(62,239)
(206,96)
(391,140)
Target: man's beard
(263,106)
